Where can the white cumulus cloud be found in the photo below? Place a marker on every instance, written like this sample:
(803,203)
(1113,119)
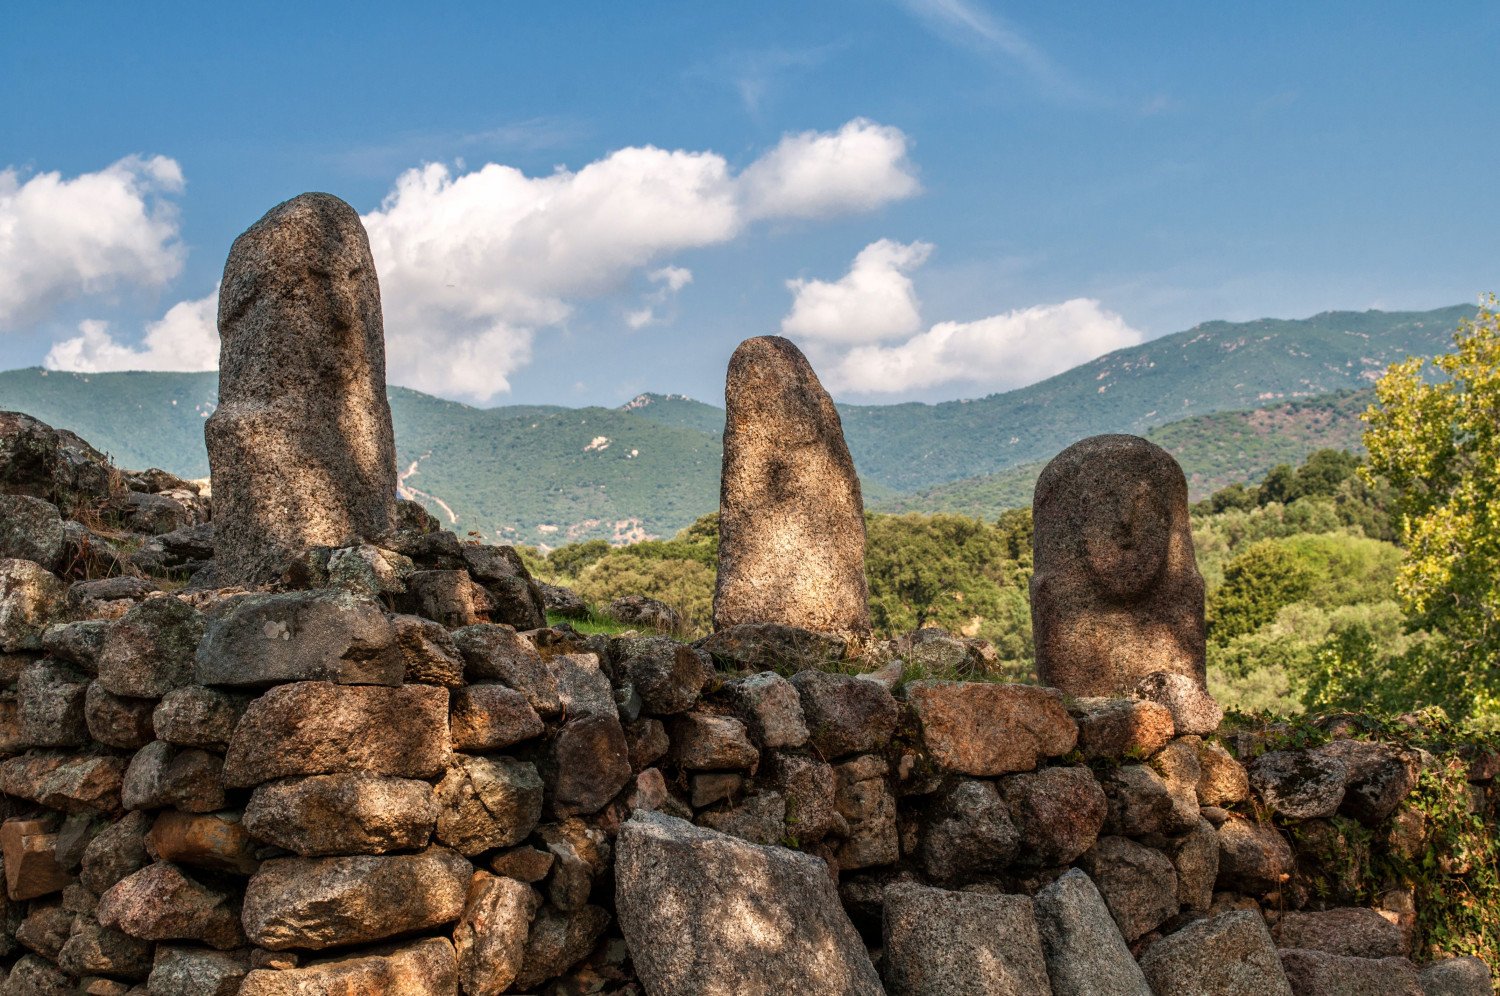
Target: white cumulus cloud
(185,338)
(814,174)
(865,333)
(63,238)
(472,265)
(874,301)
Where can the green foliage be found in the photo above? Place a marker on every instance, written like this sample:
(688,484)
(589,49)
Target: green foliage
(1257,584)
(1437,441)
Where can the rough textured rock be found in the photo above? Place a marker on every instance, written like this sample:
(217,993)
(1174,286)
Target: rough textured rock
(485,802)
(585,765)
(319,903)
(1457,977)
(515,598)
(810,789)
(1139,801)
(320,635)
(450,597)
(761,819)
(493,652)
(666,674)
(1379,777)
(1057,811)
(424,968)
(708,915)
(34,976)
(30,529)
(431,656)
(1318,973)
(1351,931)
(939,943)
(770,707)
(491,935)
(1116,594)
(647,613)
(1300,785)
(1222,780)
(865,802)
(1194,711)
(51,697)
(352,813)
(77,642)
(31,599)
(1138,884)
(300,446)
(558,941)
(1226,955)
(791,519)
(1253,857)
(274,740)
(116,721)
(985,729)
(1195,856)
(773,646)
(1116,728)
(118,851)
(181,971)
(1177,764)
(845,714)
(969,831)
(711,743)
(491,717)
(161,775)
(30,852)
(1085,954)
(217,841)
(161,902)
(53,464)
(149,651)
(93,949)
(64,781)
(194,716)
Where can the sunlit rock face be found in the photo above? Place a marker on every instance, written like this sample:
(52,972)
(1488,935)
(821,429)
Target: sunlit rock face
(301,447)
(791,519)
(1116,594)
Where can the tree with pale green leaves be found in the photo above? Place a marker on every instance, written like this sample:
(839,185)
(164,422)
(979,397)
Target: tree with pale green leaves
(1434,435)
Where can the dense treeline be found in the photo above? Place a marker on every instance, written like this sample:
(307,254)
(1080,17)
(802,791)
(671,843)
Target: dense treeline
(1301,572)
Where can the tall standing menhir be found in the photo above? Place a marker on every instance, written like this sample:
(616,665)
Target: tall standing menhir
(791,519)
(300,448)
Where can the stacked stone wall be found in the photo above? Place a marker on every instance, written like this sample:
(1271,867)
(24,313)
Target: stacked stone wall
(388,776)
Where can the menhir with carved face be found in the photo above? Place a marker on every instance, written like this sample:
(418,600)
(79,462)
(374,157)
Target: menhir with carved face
(1116,593)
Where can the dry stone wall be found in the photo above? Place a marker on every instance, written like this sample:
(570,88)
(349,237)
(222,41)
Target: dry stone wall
(388,775)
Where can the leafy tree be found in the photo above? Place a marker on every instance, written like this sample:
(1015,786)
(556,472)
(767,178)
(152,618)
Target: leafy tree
(1257,584)
(1434,434)
(1236,496)
(1279,485)
(1323,472)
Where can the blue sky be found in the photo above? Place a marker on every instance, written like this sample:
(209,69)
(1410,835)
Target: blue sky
(936,198)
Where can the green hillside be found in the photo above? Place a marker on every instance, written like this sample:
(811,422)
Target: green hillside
(1214,450)
(547,474)
(1217,366)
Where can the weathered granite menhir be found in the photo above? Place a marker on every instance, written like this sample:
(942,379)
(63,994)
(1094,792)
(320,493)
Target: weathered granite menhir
(1116,596)
(301,449)
(791,519)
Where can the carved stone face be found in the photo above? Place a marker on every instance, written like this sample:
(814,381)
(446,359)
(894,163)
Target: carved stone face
(1125,540)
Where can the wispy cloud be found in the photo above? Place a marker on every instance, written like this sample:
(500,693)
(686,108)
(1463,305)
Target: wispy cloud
(969,24)
(760,76)
(381,159)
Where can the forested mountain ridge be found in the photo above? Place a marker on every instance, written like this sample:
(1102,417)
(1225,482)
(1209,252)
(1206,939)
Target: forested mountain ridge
(1228,399)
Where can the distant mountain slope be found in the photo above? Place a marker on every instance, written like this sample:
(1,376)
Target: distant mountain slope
(1217,366)
(1214,450)
(548,474)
